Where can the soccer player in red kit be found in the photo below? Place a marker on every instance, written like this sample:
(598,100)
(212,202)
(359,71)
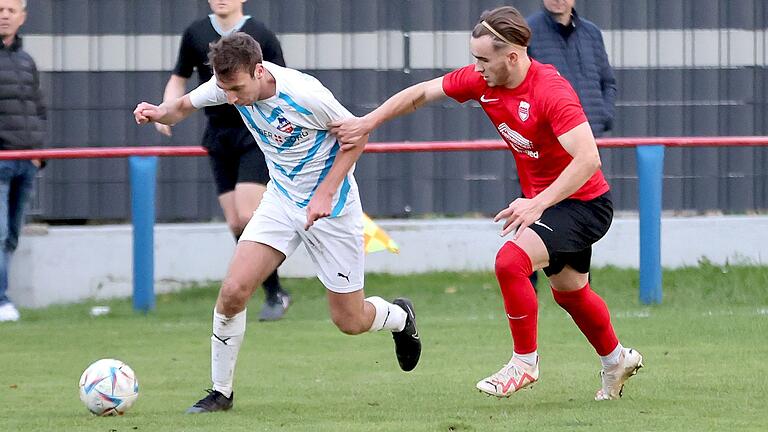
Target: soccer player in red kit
(566,205)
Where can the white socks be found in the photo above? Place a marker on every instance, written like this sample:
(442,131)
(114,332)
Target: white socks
(612,359)
(388,316)
(227,337)
(529,359)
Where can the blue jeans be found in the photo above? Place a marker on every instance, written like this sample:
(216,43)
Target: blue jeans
(16,181)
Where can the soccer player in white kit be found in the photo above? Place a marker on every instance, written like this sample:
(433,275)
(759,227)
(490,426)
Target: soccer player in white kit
(311,198)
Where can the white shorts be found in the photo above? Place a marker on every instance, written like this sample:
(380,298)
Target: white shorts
(334,244)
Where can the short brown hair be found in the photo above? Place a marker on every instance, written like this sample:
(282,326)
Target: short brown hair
(508,22)
(234,53)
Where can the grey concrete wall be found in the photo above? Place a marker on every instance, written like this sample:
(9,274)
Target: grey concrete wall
(97,262)
(684,67)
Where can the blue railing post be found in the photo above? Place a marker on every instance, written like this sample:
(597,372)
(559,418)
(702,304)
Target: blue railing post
(143,171)
(650,172)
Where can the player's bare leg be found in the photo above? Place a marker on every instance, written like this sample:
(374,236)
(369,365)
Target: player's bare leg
(251,264)
(238,207)
(354,314)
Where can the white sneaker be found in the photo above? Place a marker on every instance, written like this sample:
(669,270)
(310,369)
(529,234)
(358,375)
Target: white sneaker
(515,375)
(614,377)
(8,312)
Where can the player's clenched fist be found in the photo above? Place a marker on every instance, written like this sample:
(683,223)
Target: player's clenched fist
(146,112)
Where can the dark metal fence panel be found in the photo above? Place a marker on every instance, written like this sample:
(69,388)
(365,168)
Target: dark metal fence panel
(684,67)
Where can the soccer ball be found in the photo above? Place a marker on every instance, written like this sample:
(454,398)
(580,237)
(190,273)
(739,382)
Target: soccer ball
(108,387)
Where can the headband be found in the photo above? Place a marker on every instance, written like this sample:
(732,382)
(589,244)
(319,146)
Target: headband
(498,35)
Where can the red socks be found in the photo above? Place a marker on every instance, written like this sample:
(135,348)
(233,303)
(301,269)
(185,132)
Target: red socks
(512,270)
(591,315)
(587,309)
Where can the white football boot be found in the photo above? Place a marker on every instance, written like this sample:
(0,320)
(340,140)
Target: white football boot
(614,377)
(515,375)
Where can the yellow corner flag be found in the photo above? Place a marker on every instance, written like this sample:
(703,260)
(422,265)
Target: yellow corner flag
(376,239)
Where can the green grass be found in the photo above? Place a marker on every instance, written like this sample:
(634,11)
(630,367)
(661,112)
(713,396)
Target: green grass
(704,347)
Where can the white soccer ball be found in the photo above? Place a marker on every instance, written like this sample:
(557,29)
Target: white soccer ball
(108,387)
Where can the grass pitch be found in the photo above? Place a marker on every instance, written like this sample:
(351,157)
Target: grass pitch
(704,347)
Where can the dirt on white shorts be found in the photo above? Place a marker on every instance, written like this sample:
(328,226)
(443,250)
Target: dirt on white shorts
(334,244)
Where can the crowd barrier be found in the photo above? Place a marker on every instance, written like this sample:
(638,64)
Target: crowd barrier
(143,172)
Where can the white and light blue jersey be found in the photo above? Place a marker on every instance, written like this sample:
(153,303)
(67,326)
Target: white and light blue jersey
(291,129)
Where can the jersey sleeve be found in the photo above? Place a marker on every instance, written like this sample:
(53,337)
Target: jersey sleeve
(185,64)
(207,94)
(323,107)
(562,106)
(463,84)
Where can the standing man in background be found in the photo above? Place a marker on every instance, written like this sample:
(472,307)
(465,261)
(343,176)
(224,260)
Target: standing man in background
(238,164)
(22,126)
(575,47)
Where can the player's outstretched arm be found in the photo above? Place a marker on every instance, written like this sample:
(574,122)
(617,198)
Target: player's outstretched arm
(320,204)
(174,89)
(168,113)
(350,131)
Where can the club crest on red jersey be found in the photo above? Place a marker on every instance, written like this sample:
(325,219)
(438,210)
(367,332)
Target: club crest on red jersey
(523,110)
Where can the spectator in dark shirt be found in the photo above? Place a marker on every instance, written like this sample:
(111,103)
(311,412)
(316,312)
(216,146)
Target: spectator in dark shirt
(238,164)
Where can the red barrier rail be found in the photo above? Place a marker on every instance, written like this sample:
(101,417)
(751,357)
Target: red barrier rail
(394,147)
(143,163)
(431,146)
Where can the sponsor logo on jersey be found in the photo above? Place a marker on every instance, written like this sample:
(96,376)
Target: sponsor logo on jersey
(518,142)
(523,110)
(275,138)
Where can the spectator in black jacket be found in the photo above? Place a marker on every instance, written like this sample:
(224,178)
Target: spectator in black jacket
(238,165)
(575,47)
(22,126)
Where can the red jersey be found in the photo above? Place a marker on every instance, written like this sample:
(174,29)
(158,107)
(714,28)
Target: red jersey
(529,119)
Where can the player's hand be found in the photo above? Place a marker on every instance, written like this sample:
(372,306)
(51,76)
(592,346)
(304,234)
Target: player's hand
(519,215)
(146,112)
(359,144)
(163,129)
(319,207)
(351,132)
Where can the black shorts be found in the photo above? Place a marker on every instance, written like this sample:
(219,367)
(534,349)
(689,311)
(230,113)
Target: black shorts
(235,157)
(570,228)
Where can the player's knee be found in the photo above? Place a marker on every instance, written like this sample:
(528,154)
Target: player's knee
(512,261)
(234,294)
